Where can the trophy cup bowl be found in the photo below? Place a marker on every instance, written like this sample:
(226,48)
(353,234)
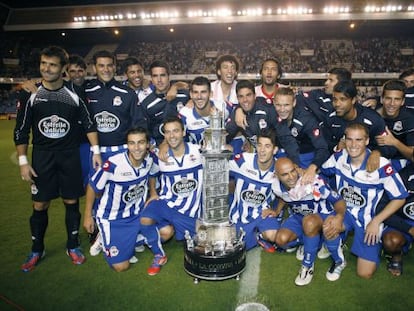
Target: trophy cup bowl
(217,251)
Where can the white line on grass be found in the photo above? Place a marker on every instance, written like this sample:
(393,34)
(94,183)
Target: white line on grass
(249,280)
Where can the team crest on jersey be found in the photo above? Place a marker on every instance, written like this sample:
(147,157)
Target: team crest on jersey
(388,170)
(253,197)
(33,189)
(294,132)
(408,210)
(302,210)
(306,95)
(106,166)
(107,122)
(262,123)
(351,197)
(117,101)
(184,187)
(112,251)
(316,132)
(54,127)
(397,126)
(180,105)
(134,194)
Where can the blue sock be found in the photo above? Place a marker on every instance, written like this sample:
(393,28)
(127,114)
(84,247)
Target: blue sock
(334,247)
(153,239)
(310,248)
(292,244)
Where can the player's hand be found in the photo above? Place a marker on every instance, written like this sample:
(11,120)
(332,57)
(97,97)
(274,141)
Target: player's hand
(29,86)
(340,145)
(333,226)
(268,212)
(384,140)
(88,224)
(240,118)
(27,172)
(372,233)
(370,103)
(97,161)
(308,175)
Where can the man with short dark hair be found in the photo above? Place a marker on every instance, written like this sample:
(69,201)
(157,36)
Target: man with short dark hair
(53,114)
(179,200)
(157,106)
(134,71)
(259,116)
(319,101)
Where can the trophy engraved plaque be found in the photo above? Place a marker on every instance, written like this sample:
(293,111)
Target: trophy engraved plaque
(217,251)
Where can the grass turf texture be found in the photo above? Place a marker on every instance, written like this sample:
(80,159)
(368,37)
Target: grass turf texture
(57,284)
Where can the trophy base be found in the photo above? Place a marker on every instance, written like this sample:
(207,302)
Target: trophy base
(217,267)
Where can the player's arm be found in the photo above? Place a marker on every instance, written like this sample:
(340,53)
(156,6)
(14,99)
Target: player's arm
(30,86)
(26,170)
(88,222)
(389,139)
(333,225)
(372,231)
(172,92)
(96,157)
(274,212)
(153,195)
(240,118)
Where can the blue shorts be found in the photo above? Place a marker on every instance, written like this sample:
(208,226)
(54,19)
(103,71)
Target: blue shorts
(258,225)
(119,237)
(359,248)
(408,237)
(84,151)
(163,215)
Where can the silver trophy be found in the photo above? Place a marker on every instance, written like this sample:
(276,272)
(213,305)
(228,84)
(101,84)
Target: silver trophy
(217,251)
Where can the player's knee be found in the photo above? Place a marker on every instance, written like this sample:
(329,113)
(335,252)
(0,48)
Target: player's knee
(120,267)
(365,274)
(41,206)
(282,238)
(312,225)
(393,241)
(166,233)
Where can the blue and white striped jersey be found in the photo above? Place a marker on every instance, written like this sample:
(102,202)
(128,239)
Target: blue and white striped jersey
(194,124)
(124,187)
(314,198)
(181,181)
(253,188)
(362,190)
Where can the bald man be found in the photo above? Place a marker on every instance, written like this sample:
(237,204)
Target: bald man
(309,206)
